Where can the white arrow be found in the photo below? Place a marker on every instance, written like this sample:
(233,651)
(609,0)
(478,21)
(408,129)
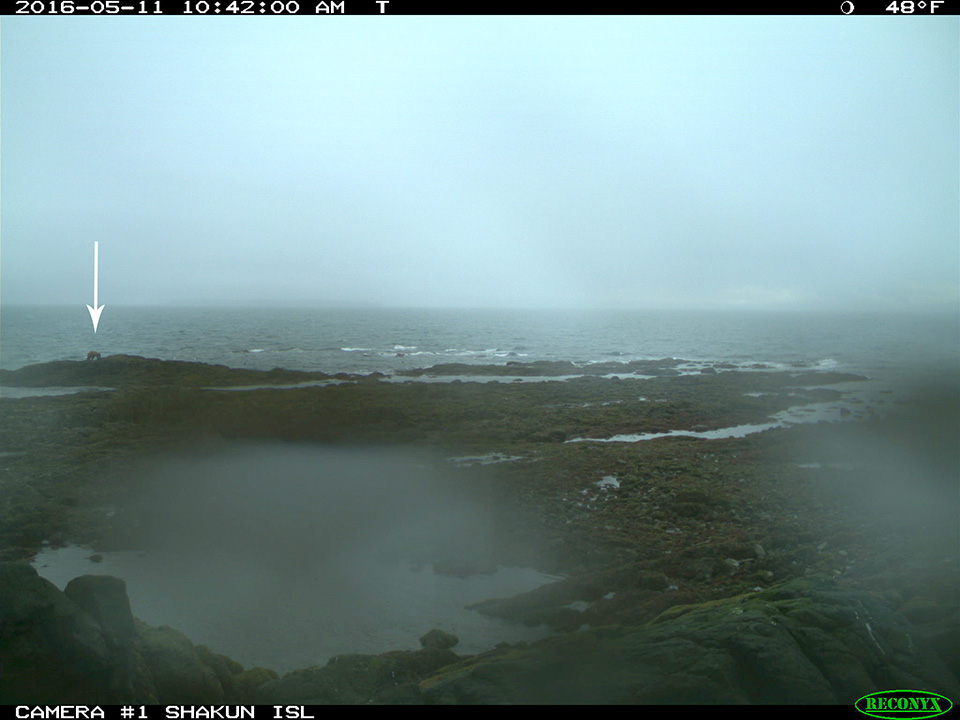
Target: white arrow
(96,309)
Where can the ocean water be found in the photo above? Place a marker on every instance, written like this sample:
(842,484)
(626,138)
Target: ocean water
(387,340)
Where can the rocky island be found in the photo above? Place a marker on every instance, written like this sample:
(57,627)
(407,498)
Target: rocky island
(722,534)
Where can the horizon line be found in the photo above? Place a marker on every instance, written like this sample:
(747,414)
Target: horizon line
(293,305)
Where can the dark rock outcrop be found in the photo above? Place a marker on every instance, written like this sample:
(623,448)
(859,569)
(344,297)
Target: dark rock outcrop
(105,600)
(51,650)
(807,641)
(437,638)
(84,646)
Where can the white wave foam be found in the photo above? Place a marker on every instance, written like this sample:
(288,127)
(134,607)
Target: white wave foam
(480,378)
(462,352)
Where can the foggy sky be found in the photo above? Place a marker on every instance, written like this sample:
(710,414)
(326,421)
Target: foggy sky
(716,162)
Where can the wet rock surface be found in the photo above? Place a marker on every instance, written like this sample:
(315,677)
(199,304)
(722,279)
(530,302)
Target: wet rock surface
(802,642)
(84,646)
(804,564)
(134,370)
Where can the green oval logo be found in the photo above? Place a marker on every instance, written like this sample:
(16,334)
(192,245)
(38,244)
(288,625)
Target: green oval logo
(903,704)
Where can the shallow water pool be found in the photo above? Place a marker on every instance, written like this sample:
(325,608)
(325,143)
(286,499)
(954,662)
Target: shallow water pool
(284,555)
(257,617)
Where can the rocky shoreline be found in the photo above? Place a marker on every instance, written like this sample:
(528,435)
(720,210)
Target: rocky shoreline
(810,563)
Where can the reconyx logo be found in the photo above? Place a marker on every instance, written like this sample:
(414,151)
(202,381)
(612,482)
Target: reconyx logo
(907,704)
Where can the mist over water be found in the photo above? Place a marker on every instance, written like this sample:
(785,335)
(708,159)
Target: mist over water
(297,504)
(284,555)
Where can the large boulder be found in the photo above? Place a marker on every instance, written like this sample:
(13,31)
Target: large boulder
(51,650)
(438,638)
(104,599)
(84,646)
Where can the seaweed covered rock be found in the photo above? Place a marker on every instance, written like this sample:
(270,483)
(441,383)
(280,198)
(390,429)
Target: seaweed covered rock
(802,642)
(120,371)
(389,678)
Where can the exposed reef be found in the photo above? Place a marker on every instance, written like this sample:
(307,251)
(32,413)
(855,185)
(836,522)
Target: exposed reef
(119,371)
(809,563)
